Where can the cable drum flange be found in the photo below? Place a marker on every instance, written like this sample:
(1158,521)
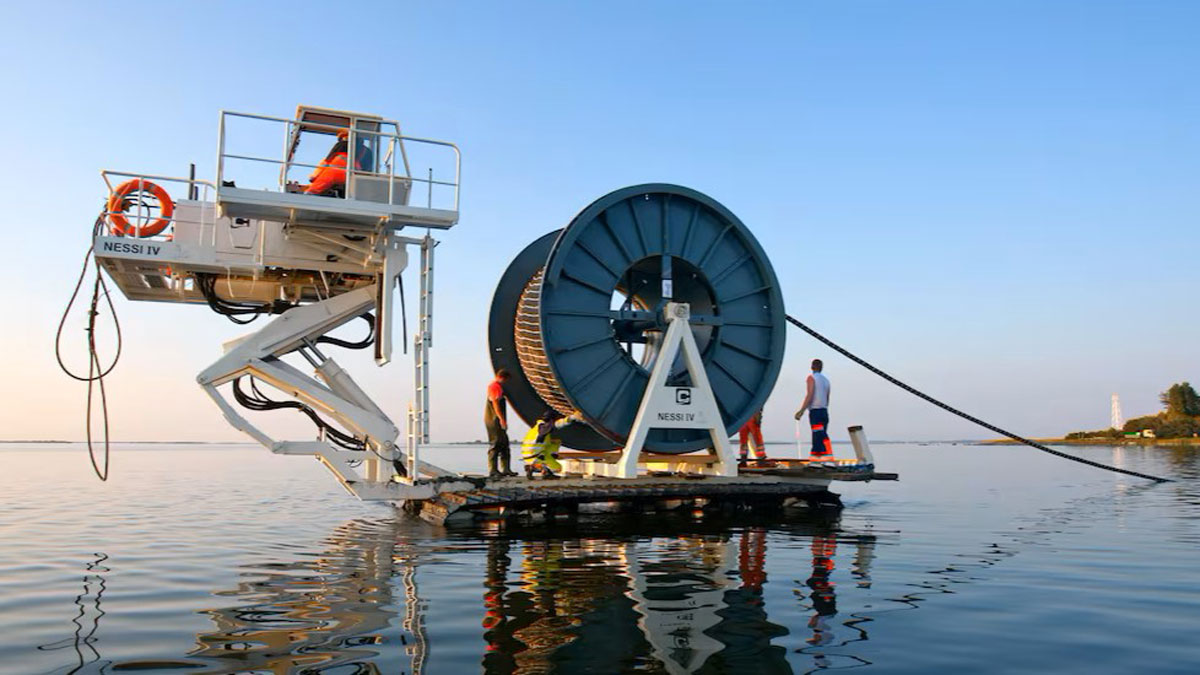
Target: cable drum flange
(603,286)
(523,396)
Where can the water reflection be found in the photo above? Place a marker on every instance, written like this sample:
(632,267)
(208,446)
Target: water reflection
(87,621)
(638,598)
(654,594)
(331,613)
(824,600)
(661,594)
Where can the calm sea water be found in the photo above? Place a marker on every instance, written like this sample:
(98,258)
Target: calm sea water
(221,559)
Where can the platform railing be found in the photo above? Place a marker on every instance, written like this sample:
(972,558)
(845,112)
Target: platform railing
(394,142)
(200,220)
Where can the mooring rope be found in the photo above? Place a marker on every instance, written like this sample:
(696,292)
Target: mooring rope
(970,418)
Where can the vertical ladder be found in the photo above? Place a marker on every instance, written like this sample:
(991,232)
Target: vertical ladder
(418,409)
(423,340)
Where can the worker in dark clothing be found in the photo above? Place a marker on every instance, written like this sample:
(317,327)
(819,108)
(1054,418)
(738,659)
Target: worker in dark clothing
(495,418)
(329,178)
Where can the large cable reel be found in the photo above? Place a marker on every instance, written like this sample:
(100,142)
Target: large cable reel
(577,317)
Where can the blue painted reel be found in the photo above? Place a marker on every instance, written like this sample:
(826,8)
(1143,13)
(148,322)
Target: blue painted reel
(577,317)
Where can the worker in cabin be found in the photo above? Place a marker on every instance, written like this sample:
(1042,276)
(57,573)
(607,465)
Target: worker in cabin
(329,178)
(752,430)
(816,402)
(495,418)
(541,444)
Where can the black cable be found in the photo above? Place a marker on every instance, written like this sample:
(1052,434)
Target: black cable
(98,285)
(207,284)
(970,418)
(96,372)
(260,402)
(361,344)
(233,310)
(230,309)
(403,315)
(95,363)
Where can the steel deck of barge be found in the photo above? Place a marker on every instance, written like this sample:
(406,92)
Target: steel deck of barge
(493,498)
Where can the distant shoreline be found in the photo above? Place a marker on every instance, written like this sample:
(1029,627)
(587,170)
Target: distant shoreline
(1186,442)
(1099,441)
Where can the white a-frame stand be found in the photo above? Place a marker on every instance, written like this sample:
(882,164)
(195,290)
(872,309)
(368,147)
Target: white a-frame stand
(666,407)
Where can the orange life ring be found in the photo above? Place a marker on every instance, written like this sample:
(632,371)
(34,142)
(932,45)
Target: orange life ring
(118,203)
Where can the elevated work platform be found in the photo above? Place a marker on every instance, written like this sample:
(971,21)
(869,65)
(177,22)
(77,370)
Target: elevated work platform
(308,209)
(370,157)
(267,236)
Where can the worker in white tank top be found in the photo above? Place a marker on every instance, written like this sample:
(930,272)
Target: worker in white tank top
(820,390)
(816,402)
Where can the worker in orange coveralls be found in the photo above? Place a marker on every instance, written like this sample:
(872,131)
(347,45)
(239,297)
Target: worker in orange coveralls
(329,178)
(751,429)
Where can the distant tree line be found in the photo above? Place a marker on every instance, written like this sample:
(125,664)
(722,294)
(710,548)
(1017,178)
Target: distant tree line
(1099,433)
(1180,417)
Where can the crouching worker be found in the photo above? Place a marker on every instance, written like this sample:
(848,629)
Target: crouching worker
(540,447)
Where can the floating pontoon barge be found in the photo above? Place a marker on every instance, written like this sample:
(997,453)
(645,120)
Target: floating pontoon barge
(654,319)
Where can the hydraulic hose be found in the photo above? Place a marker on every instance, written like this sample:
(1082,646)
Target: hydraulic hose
(258,401)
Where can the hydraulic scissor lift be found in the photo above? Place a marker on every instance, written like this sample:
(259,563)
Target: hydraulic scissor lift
(253,242)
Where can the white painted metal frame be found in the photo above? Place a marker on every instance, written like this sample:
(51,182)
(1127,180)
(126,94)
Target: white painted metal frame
(334,393)
(396,138)
(662,409)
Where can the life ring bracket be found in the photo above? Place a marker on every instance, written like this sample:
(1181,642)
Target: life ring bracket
(119,203)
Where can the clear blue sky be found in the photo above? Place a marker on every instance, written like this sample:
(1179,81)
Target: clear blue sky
(996,201)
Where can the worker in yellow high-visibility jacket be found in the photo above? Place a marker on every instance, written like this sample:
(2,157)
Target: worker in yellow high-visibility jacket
(540,446)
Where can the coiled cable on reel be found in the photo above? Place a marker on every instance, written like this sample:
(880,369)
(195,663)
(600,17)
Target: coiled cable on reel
(531,350)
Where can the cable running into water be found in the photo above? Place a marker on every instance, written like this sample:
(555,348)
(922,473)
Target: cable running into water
(96,372)
(970,418)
